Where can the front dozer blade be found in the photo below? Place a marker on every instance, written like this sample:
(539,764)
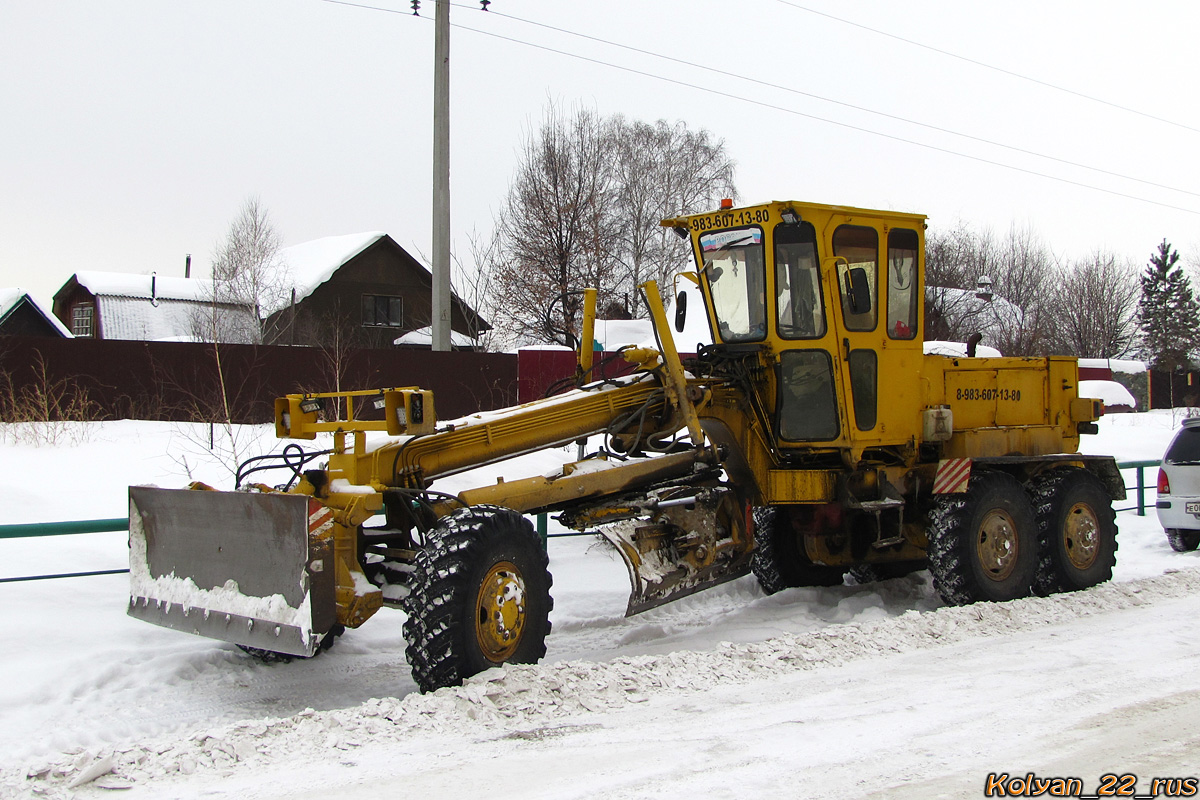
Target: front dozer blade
(249,568)
(695,542)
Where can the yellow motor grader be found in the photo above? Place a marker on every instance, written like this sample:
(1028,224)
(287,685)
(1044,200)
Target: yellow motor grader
(812,439)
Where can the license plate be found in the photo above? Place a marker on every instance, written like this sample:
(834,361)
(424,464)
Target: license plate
(1192,508)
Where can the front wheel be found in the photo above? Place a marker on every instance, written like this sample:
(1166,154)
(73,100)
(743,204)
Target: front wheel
(480,597)
(780,560)
(983,544)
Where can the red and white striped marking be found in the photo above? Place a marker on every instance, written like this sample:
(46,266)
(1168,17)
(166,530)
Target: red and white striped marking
(953,475)
(320,517)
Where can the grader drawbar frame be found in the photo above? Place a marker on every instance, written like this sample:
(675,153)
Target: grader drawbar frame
(280,569)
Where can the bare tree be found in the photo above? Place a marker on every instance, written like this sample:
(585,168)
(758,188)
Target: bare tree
(978,284)
(556,227)
(475,285)
(1022,271)
(955,260)
(246,276)
(247,273)
(662,170)
(1096,307)
(583,210)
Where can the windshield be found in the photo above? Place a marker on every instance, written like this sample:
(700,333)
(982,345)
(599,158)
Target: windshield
(798,283)
(1185,449)
(733,268)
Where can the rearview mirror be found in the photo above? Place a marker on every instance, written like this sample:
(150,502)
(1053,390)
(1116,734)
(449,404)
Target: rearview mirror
(859,290)
(680,311)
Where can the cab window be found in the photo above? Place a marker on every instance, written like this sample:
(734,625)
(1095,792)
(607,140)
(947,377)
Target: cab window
(864,387)
(799,308)
(736,277)
(807,405)
(858,248)
(902,284)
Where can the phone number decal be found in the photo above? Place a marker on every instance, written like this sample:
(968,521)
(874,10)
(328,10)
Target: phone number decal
(988,394)
(730,219)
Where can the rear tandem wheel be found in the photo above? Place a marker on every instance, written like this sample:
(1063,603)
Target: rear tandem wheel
(480,597)
(983,545)
(1077,531)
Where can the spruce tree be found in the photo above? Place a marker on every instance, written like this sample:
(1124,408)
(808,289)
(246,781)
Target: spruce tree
(1169,314)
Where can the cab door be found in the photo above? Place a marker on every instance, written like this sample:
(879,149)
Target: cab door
(876,269)
(854,251)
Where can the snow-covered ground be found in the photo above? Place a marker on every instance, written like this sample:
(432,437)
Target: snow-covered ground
(852,691)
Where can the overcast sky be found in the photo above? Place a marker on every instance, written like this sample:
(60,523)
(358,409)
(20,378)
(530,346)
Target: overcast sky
(133,130)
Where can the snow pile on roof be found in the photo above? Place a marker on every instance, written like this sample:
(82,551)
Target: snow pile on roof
(173,320)
(1112,393)
(423,337)
(310,264)
(146,287)
(1123,365)
(11,297)
(613,334)
(989,315)
(959,350)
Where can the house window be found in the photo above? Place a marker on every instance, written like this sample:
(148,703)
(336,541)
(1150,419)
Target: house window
(81,320)
(382,311)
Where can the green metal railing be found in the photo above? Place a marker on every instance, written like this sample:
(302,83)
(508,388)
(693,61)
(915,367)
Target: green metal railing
(72,527)
(35,529)
(1140,466)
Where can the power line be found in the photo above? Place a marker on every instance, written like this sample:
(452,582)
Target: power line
(828,121)
(794,112)
(927,126)
(1002,70)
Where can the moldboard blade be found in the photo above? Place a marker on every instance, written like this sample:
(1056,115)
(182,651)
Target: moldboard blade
(254,569)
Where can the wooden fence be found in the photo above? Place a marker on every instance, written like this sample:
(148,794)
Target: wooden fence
(181,380)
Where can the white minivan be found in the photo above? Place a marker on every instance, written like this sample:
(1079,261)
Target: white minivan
(1179,487)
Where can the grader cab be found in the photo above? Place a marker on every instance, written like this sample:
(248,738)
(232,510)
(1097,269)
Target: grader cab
(812,439)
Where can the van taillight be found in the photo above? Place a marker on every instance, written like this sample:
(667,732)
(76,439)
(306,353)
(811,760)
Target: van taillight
(1164,485)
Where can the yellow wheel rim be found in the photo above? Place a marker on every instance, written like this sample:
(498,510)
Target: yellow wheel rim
(500,612)
(996,545)
(1081,536)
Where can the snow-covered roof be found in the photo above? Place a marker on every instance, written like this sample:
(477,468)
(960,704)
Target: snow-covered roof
(614,334)
(988,316)
(12,296)
(1123,365)
(1111,392)
(162,307)
(310,264)
(9,297)
(165,319)
(959,350)
(163,287)
(423,337)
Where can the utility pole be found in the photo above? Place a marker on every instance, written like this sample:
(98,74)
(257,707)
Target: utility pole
(441,177)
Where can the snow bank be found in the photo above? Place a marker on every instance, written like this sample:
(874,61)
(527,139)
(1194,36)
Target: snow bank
(518,700)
